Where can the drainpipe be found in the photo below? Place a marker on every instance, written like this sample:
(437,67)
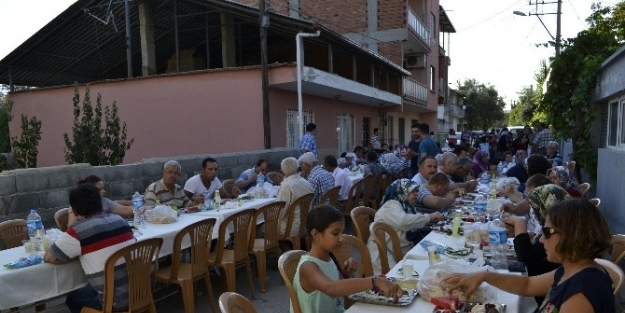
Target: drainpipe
(300,67)
(128,38)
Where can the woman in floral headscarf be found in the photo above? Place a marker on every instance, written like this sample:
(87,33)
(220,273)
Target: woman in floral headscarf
(531,251)
(398,211)
(480,163)
(560,176)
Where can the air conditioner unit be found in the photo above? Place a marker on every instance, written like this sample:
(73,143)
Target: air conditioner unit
(416,60)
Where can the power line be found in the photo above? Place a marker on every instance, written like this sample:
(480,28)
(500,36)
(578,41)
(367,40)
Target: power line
(489,18)
(575,11)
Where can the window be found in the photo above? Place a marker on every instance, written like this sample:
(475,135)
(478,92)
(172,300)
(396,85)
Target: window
(432,78)
(345,132)
(401,125)
(616,123)
(432,26)
(292,128)
(389,130)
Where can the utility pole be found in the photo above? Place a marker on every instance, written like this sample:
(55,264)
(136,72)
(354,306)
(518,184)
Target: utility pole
(264,25)
(558,26)
(558,38)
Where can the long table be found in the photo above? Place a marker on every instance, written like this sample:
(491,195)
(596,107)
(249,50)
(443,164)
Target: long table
(20,287)
(419,258)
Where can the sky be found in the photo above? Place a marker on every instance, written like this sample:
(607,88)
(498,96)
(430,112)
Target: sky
(491,44)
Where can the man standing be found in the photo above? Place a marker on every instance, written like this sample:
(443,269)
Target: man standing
(207,181)
(465,137)
(413,149)
(427,168)
(319,178)
(542,137)
(248,178)
(376,141)
(308,143)
(428,146)
(92,238)
(166,191)
(341,178)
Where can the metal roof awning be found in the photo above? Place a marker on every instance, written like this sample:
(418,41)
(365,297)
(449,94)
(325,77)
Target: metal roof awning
(445,23)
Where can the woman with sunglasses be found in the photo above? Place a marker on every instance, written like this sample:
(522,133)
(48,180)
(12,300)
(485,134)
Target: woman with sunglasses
(530,250)
(579,284)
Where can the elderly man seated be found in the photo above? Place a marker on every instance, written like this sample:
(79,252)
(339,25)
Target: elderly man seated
(435,195)
(348,161)
(448,164)
(427,167)
(463,170)
(553,155)
(292,188)
(248,178)
(341,178)
(207,181)
(319,178)
(166,191)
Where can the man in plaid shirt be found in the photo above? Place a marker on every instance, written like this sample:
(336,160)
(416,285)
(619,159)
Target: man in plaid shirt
(308,143)
(541,139)
(320,179)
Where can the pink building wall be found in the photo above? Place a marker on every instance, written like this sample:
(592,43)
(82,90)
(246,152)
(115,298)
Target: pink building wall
(214,111)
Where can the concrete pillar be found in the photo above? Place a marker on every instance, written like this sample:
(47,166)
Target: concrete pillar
(228,52)
(294,8)
(372,22)
(148,56)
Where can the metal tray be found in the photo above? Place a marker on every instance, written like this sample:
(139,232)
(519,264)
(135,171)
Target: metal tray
(466,307)
(374,298)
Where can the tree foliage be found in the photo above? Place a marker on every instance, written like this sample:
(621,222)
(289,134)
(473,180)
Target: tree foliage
(6,106)
(484,106)
(25,147)
(90,143)
(566,104)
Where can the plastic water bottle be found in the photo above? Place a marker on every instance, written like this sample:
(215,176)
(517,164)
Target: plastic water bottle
(456,223)
(217,199)
(497,239)
(500,168)
(137,206)
(480,203)
(35,231)
(207,200)
(260,180)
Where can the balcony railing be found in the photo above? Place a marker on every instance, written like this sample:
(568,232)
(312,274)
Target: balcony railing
(418,27)
(415,91)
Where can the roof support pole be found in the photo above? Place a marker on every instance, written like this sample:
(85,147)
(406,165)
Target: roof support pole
(263,21)
(11,87)
(128,38)
(228,47)
(300,67)
(176,36)
(146,26)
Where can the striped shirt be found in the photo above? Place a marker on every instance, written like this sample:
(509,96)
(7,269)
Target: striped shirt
(158,191)
(322,181)
(93,240)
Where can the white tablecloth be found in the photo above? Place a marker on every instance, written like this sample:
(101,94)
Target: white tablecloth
(355,176)
(419,257)
(20,287)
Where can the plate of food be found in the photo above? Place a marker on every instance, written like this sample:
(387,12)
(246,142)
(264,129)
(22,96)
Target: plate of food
(192,209)
(378,297)
(472,307)
(457,253)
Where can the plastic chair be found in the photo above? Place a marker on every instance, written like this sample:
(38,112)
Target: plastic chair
(353,197)
(269,243)
(369,191)
(331,197)
(595,201)
(12,233)
(380,230)
(185,274)
(362,217)
(618,248)
(350,245)
(303,205)
(232,302)
(227,259)
(615,272)
(61,217)
(140,258)
(583,188)
(287,264)
(403,173)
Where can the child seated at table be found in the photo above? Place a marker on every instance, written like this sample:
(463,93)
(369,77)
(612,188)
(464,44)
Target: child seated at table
(317,281)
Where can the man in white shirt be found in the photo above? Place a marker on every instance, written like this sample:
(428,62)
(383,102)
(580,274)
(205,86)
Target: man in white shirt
(341,177)
(207,180)
(428,166)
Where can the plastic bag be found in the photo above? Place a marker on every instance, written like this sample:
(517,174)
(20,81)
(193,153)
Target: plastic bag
(430,283)
(163,214)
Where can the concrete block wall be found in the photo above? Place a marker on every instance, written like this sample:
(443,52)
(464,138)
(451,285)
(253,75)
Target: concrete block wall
(47,189)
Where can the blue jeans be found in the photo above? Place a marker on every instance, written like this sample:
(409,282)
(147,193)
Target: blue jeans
(85,296)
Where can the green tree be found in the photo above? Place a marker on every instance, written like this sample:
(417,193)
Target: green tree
(484,105)
(90,143)
(25,148)
(573,78)
(6,106)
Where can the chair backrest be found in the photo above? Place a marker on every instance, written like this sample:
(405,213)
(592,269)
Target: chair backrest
(362,217)
(241,225)
(200,234)
(12,233)
(583,188)
(232,302)
(403,173)
(353,197)
(354,247)
(287,264)
(61,217)
(618,248)
(303,205)
(331,196)
(595,201)
(141,259)
(615,272)
(369,188)
(271,214)
(380,230)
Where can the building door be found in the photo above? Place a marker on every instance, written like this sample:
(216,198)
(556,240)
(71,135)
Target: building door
(345,132)
(292,128)
(401,132)
(366,123)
